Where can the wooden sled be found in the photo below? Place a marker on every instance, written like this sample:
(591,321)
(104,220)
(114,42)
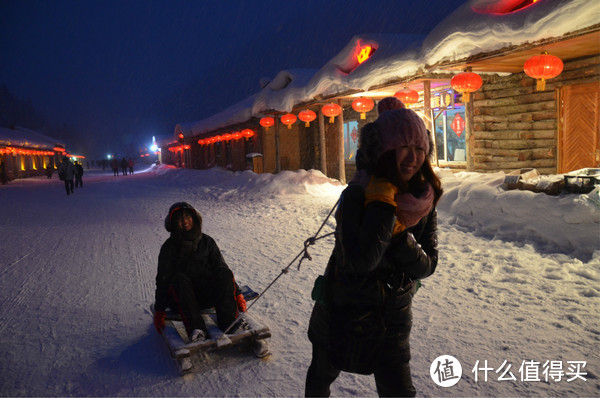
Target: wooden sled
(181,349)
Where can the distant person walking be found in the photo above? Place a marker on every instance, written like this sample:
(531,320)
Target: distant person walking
(66,172)
(131,164)
(49,171)
(124,165)
(114,164)
(3,175)
(78,175)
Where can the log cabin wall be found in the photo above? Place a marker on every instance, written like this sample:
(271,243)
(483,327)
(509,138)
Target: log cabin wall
(514,126)
(269,149)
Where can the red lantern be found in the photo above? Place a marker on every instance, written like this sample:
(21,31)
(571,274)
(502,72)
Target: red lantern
(407,95)
(247,133)
(542,67)
(267,122)
(362,106)
(236,135)
(226,137)
(200,142)
(331,110)
(289,119)
(307,116)
(466,82)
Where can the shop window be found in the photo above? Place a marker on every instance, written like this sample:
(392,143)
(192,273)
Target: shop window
(450,135)
(350,140)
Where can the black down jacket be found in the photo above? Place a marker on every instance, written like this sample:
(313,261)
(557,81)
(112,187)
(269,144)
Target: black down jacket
(369,269)
(199,265)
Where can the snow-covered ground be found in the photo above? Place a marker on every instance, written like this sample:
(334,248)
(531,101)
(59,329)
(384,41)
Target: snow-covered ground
(518,281)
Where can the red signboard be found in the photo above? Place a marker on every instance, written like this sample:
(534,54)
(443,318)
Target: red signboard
(458,124)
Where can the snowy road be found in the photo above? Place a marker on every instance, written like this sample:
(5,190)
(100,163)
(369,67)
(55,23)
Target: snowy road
(77,277)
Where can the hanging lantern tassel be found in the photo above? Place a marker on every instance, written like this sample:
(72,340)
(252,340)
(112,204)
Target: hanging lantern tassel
(542,67)
(466,97)
(540,84)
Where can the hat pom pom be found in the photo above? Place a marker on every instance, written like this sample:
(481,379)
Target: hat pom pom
(389,104)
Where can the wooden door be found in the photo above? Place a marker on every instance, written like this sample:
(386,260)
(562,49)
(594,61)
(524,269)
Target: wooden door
(579,131)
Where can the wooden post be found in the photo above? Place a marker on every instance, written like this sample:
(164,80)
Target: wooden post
(322,143)
(277,155)
(340,139)
(427,105)
(469,137)
(429,119)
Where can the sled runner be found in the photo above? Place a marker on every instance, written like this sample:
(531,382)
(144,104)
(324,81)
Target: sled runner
(175,336)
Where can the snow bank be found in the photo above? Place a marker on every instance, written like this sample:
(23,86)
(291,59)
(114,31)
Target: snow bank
(246,184)
(566,224)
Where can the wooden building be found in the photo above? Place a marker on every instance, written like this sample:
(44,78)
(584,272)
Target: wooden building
(507,125)
(26,153)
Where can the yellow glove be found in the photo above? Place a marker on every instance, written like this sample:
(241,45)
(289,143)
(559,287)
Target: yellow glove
(398,227)
(380,189)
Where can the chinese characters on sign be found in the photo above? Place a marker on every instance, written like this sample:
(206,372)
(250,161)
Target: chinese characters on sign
(442,100)
(458,125)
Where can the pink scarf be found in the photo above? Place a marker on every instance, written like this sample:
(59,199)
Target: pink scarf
(411,209)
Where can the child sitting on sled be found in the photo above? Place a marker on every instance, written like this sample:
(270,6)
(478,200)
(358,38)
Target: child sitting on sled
(192,276)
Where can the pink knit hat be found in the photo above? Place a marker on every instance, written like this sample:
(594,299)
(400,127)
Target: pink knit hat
(400,126)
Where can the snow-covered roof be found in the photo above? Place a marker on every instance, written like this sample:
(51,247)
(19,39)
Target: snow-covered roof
(23,137)
(476,27)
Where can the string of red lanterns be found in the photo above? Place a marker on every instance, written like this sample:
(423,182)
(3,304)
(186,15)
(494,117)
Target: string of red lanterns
(9,150)
(236,135)
(540,67)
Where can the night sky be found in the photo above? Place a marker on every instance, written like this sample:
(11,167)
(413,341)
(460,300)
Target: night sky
(120,72)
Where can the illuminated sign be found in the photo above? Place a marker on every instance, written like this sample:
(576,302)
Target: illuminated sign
(358,54)
(363,53)
(442,99)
